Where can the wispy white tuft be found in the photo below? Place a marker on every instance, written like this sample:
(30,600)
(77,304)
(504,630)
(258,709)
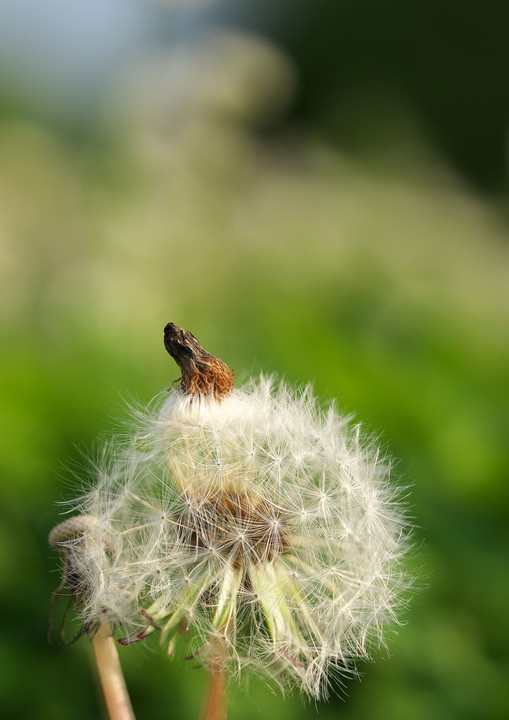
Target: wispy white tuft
(262,524)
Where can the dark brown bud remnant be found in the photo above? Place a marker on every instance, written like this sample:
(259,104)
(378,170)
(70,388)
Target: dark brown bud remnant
(201,372)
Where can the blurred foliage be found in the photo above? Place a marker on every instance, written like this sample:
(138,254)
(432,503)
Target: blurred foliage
(384,285)
(366,66)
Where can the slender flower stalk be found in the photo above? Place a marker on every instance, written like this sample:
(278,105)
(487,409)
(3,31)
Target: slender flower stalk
(67,538)
(111,676)
(217,697)
(249,520)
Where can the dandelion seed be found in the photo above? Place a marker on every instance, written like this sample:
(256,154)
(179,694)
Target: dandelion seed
(254,519)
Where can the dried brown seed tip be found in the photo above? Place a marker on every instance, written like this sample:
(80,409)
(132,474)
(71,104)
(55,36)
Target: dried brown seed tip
(201,372)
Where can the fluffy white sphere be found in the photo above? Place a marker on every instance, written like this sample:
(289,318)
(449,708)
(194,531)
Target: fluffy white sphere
(263,525)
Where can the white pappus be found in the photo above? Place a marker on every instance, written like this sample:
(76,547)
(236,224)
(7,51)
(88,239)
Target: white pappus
(249,517)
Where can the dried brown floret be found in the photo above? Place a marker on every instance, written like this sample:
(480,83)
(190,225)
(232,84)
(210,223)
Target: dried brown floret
(201,372)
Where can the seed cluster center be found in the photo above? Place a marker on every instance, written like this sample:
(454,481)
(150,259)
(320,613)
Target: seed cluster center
(242,527)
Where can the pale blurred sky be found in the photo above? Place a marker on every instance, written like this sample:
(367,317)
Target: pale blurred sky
(60,56)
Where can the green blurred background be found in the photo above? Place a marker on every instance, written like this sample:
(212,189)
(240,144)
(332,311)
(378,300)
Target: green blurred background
(315,189)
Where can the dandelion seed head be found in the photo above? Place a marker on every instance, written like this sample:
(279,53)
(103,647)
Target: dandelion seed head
(264,524)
